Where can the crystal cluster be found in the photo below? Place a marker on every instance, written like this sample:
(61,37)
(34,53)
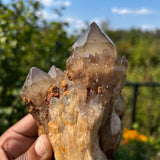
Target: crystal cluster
(80,110)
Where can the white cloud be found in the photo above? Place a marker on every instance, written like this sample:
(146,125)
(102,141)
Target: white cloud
(76,23)
(67,3)
(146,27)
(47,15)
(97,20)
(81,24)
(123,11)
(46,2)
(49,3)
(143,11)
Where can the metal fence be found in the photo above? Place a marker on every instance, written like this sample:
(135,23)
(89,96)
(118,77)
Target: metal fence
(135,86)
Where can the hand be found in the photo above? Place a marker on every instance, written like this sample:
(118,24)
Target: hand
(21,142)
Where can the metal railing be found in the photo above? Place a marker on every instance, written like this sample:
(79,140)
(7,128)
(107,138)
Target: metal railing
(135,86)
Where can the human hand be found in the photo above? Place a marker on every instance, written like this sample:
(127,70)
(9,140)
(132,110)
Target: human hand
(21,142)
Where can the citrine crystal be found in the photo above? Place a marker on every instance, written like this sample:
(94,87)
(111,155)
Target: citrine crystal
(56,72)
(80,110)
(94,40)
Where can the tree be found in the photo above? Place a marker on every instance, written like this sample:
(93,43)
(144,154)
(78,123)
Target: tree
(142,50)
(26,41)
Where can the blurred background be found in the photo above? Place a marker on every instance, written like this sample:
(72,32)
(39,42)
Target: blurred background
(40,33)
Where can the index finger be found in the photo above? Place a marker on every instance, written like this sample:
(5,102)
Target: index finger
(26,126)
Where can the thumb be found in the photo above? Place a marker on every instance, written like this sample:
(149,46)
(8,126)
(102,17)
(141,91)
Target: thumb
(41,149)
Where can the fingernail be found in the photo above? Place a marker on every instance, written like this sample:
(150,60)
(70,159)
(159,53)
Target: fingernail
(40,147)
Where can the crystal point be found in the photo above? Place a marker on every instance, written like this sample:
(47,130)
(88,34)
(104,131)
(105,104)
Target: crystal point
(34,76)
(80,111)
(54,72)
(36,85)
(92,41)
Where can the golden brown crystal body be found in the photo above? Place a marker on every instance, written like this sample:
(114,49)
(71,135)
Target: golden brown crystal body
(79,110)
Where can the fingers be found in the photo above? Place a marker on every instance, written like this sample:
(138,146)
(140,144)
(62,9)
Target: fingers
(15,144)
(19,137)
(3,154)
(40,150)
(26,126)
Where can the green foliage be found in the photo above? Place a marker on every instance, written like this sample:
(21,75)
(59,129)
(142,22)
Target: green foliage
(137,146)
(137,150)
(142,50)
(26,40)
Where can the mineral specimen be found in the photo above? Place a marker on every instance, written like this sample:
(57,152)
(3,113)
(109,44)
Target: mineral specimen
(80,110)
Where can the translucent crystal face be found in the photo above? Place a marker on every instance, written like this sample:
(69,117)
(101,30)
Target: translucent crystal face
(35,75)
(36,85)
(92,41)
(54,72)
(80,110)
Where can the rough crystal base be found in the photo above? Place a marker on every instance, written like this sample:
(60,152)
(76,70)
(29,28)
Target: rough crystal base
(80,110)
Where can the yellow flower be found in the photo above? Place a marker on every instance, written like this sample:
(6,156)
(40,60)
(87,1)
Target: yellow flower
(130,134)
(133,135)
(143,138)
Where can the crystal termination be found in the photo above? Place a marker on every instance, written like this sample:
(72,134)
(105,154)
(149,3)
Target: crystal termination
(80,109)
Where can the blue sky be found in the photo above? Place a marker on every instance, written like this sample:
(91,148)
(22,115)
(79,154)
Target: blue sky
(121,14)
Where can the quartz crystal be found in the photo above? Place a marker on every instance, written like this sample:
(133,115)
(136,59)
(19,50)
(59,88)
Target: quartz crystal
(94,40)
(80,110)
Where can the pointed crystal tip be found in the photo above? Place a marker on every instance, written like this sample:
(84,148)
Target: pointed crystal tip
(92,41)
(35,75)
(54,72)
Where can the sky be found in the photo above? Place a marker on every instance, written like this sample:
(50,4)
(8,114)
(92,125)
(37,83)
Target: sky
(121,14)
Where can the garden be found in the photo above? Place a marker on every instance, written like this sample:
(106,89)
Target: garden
(27,40)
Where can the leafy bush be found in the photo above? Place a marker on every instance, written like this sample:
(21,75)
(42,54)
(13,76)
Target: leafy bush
(136,146)
(26,41)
